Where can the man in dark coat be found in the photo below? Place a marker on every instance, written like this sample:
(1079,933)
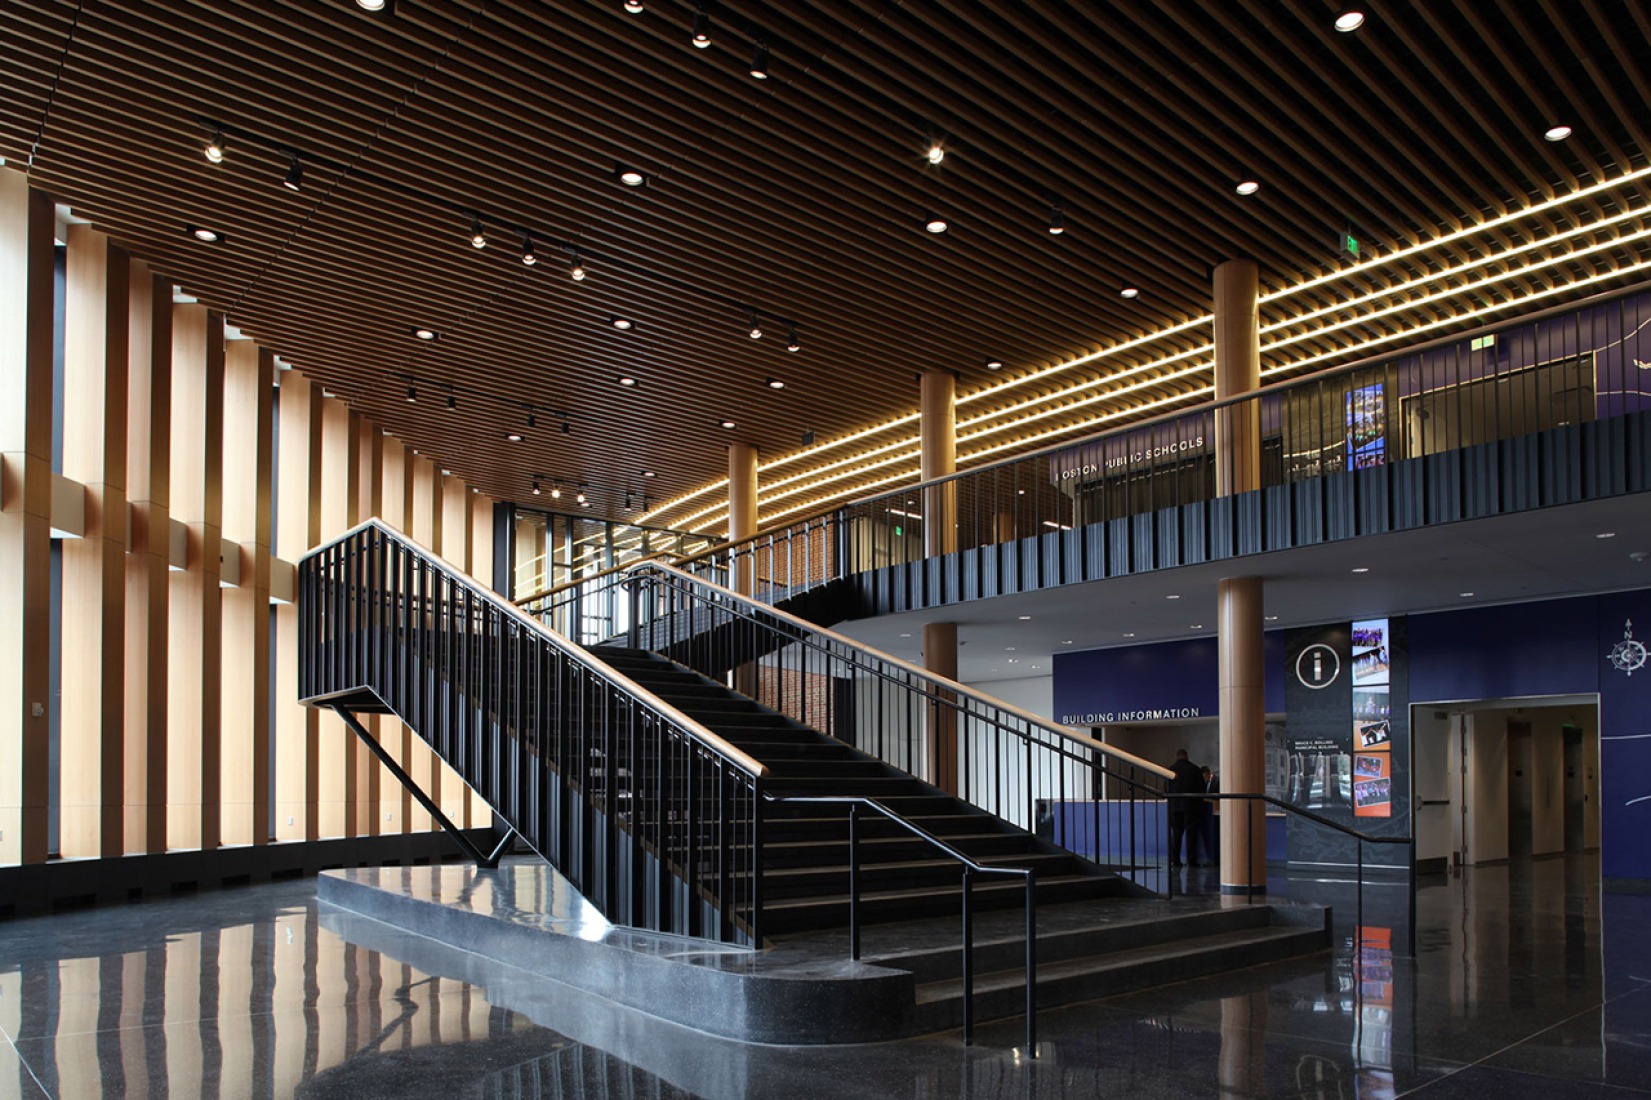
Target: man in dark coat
(1185,814)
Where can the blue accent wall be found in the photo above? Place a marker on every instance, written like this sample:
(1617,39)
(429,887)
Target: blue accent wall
(1171,681)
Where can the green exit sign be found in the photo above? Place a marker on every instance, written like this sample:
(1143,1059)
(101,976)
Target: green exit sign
(1482,342)
(1350,245)
(898,531)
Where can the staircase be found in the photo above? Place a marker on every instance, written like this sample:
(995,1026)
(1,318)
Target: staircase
(676,805)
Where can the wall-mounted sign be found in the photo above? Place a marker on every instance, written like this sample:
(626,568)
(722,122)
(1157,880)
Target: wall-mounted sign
(1317,667)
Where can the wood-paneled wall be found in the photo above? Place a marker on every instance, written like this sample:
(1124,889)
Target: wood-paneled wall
(179,727)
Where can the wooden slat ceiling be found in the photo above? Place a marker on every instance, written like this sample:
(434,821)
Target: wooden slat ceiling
(803,197)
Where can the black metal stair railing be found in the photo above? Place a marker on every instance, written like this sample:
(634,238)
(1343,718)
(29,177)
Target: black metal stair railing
(1001,759)
(653,818)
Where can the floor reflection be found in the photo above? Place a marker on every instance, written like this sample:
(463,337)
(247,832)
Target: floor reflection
(1525,980)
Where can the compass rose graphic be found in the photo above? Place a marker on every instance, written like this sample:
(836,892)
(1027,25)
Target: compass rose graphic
(1627,655)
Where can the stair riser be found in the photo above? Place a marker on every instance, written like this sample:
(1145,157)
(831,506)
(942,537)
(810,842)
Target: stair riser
(834,914)
(780,883)
(1011,1001)
(942,964)
(783,854)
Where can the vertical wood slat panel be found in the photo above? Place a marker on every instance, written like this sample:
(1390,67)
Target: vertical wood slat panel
(248,426)
(194,673)
(395,815)
(148,576)
(336,744)
(298,508)
(424,516)
(97,317)
(27,261)
(369,774)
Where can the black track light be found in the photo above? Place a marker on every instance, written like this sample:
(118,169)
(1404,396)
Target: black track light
(759,62)
(555,492)
(295,175)
(580,497)
(630,504)
(634,7)
(756,327)
(702,29)
(566,427)
(478,236)
(576,268)
(792,342)
(529,257)
(215,147)
(412,394)
(535,486)
(532,419)
(452,402)
(1057,220)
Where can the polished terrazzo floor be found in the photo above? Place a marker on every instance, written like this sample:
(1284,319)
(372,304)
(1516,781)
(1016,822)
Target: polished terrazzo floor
(1526,981)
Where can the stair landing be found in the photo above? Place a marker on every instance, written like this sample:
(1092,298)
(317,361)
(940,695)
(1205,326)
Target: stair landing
(803,989)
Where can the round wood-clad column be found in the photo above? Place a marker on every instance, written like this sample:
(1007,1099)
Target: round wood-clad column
(938,410)
(1237,371)
(1242,687)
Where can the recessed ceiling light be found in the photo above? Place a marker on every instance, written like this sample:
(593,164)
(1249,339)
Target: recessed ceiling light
(1247,187)
(625,380)
(634,7)
(1130,292)
(729,424)
(1067,642)
(1465,595)
(1349,21)
(776,384)
(370,5)
(1025,618)
(905,635)
(624,324)
(1172,596)
(425,333)
(202,233)
(514,437)
(630,177)
(936,224)
(1008,649)
(1196,626)
(1606,535)
(994,364)
(1129,633)
(1361,569)
(1557,133)
(1272,618)
(647,473)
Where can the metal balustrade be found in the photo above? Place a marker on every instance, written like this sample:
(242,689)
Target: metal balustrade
(653,818)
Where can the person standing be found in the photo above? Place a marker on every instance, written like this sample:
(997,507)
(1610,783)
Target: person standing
(1209,831)
(1184,813)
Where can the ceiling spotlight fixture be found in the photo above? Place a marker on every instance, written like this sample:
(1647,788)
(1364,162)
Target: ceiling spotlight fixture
(994,363)
(555,492)
(452,402)
(576,268)
(514,437)
(626,380)
(202,233)
(1131,292)
(729,424)
(793,343)
(936,152)
(370,5)
(1057,220)
(581,497)
(702,29)
(630,503)
(634,7)
(647,473)
(536,489)
(426,334)
(478,238)
(1247,187)
(584,504)
(566,427)
(1557,133)
(215,148)
(1349,21)
(532,419)
(759,62)
(529,257)
(623,324)
(776,384)
(1361,569)
(756,326)
(412,394)
(936,224)
(295,175)
(630,177)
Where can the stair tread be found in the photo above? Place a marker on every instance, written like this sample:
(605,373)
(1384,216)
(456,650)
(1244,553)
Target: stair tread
(1005,861)
(926,892)
(1082,965)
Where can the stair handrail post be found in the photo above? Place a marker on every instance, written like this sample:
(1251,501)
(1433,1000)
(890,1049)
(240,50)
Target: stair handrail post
(1031,963)
(854,881)
(968,957)
(633,584)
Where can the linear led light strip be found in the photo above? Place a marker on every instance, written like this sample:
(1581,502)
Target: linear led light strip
(1320,280)
(1295,365)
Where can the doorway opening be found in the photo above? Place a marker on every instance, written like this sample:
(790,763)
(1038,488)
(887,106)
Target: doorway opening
(1504,780)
